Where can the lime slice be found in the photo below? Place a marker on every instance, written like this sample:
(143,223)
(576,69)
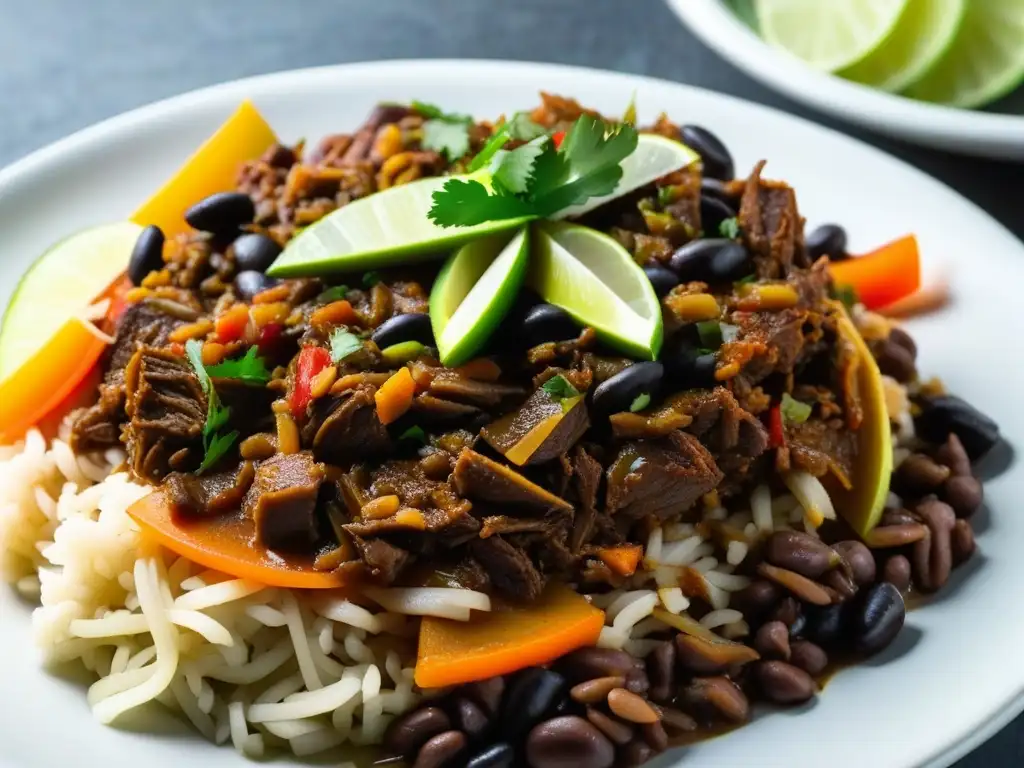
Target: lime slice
(985,62)
(383,229)
(473,292)
(655,156)
(828,34)
(61,283)
(594,279)
(923,35)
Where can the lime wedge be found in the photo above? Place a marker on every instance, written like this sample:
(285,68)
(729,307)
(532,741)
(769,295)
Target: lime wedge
(383,229)
(655,156)
(473,292)
(828,34)
(923,35)
(594,279)
(61,283)
(985,61)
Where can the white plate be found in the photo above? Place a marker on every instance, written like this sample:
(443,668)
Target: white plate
(963,675)
(987,134)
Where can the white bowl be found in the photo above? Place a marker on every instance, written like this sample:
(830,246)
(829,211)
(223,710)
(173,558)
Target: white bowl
(988,134)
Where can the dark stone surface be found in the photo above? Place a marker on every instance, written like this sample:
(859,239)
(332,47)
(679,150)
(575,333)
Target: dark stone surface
(65,64)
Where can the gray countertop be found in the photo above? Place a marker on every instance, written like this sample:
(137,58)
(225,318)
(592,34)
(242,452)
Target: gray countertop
(65,64)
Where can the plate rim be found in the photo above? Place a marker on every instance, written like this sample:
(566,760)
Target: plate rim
(731,39)
(946,752)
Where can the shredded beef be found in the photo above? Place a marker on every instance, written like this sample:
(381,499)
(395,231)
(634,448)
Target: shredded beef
(772,227)
(511,570)
(282,501)
(346,428)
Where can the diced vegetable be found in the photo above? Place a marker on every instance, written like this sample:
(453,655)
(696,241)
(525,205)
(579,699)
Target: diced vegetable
(622,560)
(776,428)
(311,361)
(231,325)
(883,276)
(213,168)
(503,641)
(794,411)
(205,540)
(395,395)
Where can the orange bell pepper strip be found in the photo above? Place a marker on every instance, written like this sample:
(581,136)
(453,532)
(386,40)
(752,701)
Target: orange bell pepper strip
(621,560)
(213,168)
(883,276)
(497,643)
(395,396)
(39,386)
(206,541)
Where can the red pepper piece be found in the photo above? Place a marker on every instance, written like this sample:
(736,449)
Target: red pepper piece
(776,433)
(311,361)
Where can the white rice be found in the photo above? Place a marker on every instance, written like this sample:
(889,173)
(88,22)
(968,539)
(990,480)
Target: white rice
(256,666)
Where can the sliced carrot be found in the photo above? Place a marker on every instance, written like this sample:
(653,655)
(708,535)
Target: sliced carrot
(335,313)
(40,385)
(454,652)
(231,325)
(213,168)
(395,396)
(884,275)
(622,560)
(225,545)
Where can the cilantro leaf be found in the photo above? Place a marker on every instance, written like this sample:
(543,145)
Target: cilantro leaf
(794,411)
(522,127)
(490,149)
(336,293)
(434,112)
(414,434)
(343,344)
(450,139)
(640,402)
(729,228)
(591,147)
(250,369)
(513,170)
(560,388)
(462,203)
(194,351)
(216,417)
(596,184)
(629,117)
(216,449)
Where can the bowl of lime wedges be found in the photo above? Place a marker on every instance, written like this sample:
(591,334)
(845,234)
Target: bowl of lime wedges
(943,73)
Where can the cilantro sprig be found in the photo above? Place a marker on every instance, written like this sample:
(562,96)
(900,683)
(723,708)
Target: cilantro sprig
(249,369)
(539,179)
(444,132)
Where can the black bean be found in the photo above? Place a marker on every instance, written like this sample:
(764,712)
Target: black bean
(469,717)
(897,571)
(661,670)
(800,552)
(636,679)
(827,240)
(616,730)
(903,339)
(919,474)
(894,360)
(487,693)
(826,625)
(500,755)
(731,263)
(799,622)
(947,414)
(702,657)
(712,213)
(533,694)
(952,454)
(962,542)
(716,188)
(964,494)
(757,600)
(147,255)
(568,742)
(686,367)
(715,158)
(662,279)
(784,683)
(932,556)
(413,326)
(248,284)
(588,663)
(655,736)
(546,322)
(616,394)
(877,618)
(693,260)
(772,641)
(406,735)
(788,612)
(255,251)
(222,213)
(441,751)
(635,754)
(841,583)
(676,720)
(715,698)
(809,657)
(858,559)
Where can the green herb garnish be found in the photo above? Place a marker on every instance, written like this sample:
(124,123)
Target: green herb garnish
(520,128)
(215,444)
(629,116)
(667,195)
(251,369)
(847,294)
(444,132)
(710,332)
(794,411)
(514,169)
(751,278)
(560,388)
(640,402)
(585,166)
(336,293)
(414,434)
(343,344)
(729,228)
(371,278)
